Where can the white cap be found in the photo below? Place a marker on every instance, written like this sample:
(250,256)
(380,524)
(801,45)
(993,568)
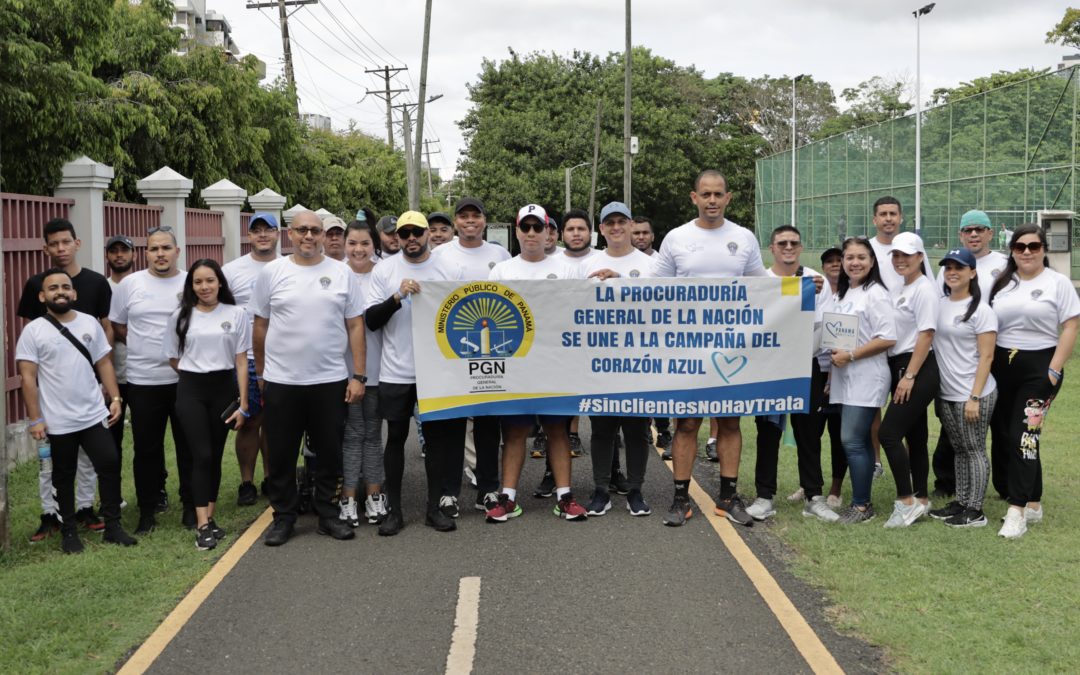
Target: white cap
(909,243)
(534,210)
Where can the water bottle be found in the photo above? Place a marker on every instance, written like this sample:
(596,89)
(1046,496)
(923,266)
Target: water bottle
(44,456)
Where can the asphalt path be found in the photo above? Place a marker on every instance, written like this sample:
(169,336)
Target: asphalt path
(612,594)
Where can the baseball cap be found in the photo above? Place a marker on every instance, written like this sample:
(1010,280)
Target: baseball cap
(960,255)
(438,215)
(830,252)
(264,216)
(469,201)
(534,210)
(975,218)
(909,243)
(119,239)
(414,218)
(387,224)
(333,222)
(615,207)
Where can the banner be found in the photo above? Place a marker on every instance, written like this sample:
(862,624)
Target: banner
(640,347)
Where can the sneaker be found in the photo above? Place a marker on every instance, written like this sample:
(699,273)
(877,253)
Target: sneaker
(568,508)
(953,508)
(449,507)
(618,484)
(797,496)
(89,519)
(663,441)
(114,534)
(733,509)
(70,542)
(375,508)
(204,538)
(761,509)
(853,515)
(834,501)
(1031,515)
(818,507)
(666,455)
(279,533)
(163,502)
(710,452)
(904,515)
(636,504)
(1015,525)
(485,501)
(879,470)
(247,494)
(599,504)
(546,487)
(335,528)
(438,520)
(969,518)
(219,533)
(679,513)
(391,524)
(539,446)
(147,523)
(50,522)
(575,445)
(504,509)
(348,512)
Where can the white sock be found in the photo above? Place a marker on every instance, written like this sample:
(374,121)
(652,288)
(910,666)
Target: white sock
(712,440)
(561,491)
(510,493)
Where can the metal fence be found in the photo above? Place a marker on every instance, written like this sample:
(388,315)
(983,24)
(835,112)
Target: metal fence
(133,221)
(204,238)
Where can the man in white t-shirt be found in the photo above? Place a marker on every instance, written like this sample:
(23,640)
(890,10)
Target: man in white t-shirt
(241,274)
(335,238)
(441,230)
(308,312)
(120,260)
(888,218)
(388,239)
(389,309)
(642,235)
(710,247)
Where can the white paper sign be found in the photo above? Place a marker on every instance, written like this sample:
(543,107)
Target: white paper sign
(839,331)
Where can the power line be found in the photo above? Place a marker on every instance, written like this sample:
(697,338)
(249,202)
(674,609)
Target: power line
(335,50)
(387,51)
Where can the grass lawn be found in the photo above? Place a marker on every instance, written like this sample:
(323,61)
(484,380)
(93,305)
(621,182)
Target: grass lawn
(940,600)
(79,614)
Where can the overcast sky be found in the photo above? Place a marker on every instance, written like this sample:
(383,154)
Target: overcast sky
(842,42)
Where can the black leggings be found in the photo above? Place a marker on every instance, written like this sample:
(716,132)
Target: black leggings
(200,400)
(636,433)
(487,437)
(907,420)
(807,429)
(98,444)
(444,456)
(152,407)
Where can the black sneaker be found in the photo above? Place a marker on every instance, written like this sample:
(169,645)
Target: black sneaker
(247,494)
(204,538)
(392,524)
(336,528)
(679,512)
(449,506)
(663,440)
(70,542)
(953,508)
(114,534)
(188,518)
(50,523)
(90,520)
(163,502)
(147,523)
(666,455)
(599,504)
(439,521)
(710,452)
(279,533)
(734,510)
(576,449)
(546,487)
(485,501)
(219,533)
(636,504)
(967,518)
(618,484)
(539,446)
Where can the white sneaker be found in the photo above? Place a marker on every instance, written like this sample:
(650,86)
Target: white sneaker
(797,496)
(761,509)
(834,501)
(348,512)
(1015,526)
(879,470)
(375,508)
(904,515)
(819,508)
(1032,516)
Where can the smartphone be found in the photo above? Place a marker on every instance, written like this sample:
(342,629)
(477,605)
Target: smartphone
(233,407)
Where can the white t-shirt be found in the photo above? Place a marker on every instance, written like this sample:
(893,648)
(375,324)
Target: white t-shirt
(883,252)
(213,339)
(241,274)
(69,394)
(144,302)
(916,308)
(865,382)
(633,265)
(517,269)
(398,364)
(307,306)
(372,338)
(469,264)
(988,268)
(578,262)
(1030,312)
(693,251)
(956,347)
(119,350)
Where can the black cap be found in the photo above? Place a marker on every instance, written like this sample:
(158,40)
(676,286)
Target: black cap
(439,215)
(119,239)
(830,252)
(469,201)
(387,224)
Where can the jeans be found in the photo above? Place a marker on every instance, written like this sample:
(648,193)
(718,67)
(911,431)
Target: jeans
(855,422)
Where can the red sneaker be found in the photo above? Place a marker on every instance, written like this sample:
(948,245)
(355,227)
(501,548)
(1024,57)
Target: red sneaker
(504,510)
(568,508)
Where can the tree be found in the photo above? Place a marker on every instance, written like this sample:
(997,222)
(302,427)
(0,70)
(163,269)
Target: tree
(766,106)
(871,102)
(1067,31)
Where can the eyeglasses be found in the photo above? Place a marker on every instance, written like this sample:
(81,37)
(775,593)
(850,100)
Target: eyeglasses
(973,230)
(1033,246)
(411,232)
(787,244)
(160,228)
(305,231)
(533,225)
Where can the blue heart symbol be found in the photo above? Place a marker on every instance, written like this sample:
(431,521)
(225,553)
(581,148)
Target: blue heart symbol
(833,327)
(731,365)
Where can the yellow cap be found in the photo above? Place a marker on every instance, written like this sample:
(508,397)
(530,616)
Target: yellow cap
(414,218)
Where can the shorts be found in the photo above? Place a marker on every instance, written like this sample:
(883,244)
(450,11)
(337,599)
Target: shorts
(255,405)
(529,420)
(396,401)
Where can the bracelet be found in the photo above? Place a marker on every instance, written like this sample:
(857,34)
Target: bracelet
(1054,373)
(244,412)
(38,421)
(851,353)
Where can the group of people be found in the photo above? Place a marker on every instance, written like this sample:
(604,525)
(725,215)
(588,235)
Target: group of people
(313,351)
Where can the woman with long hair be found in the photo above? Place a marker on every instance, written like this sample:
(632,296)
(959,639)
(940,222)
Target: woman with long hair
(860,376)
(1038,317)
(207,340)
(964,345)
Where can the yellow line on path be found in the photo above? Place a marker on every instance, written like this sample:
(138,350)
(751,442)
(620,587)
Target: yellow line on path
(141,660)
(463,643)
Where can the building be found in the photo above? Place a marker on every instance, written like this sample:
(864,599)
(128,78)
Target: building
(206,27)
(316,121)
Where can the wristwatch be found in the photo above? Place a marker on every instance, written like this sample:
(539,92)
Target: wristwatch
(909,376)
(362,379)
(974,397)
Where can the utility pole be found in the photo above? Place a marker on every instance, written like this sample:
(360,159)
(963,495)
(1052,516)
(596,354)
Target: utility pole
(388,95)
(627,157)
(283,20)
(595,160)
(427,151)
(421,99)
(406,128)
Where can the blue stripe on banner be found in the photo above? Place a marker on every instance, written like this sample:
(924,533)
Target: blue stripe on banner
(761,398)
(809,294)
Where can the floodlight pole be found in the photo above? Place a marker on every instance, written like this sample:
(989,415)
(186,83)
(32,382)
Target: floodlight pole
(793,170)
(918,116)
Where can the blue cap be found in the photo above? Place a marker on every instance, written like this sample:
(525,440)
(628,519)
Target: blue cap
(615,207)
(264,216)
(960,255)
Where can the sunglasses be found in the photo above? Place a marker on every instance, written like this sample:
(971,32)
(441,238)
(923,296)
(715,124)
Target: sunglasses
(410,233)
(973,230)
(161,228)
(532,226)
(787,244)
(305,231)
(1034,247)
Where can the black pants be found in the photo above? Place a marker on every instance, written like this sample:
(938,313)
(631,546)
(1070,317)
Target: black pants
(907,420)
(769,436)
(444,457)
(944,460)
(291,411)
(117,430)
(807,429)
(200,400)
(98,444)
(152,406)
(1024,398)
(487,437)
(662,424)
(636,435)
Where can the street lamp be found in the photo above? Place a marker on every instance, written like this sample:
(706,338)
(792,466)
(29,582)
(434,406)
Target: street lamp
(569,171)
(918,117)
(794,80)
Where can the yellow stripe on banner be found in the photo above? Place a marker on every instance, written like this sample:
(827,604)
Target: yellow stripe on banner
(791,286)
(445,402)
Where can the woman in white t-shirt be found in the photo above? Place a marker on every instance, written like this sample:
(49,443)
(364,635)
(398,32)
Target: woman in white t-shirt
(206,342)
(1037,311)
(860,376)
(964,345)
